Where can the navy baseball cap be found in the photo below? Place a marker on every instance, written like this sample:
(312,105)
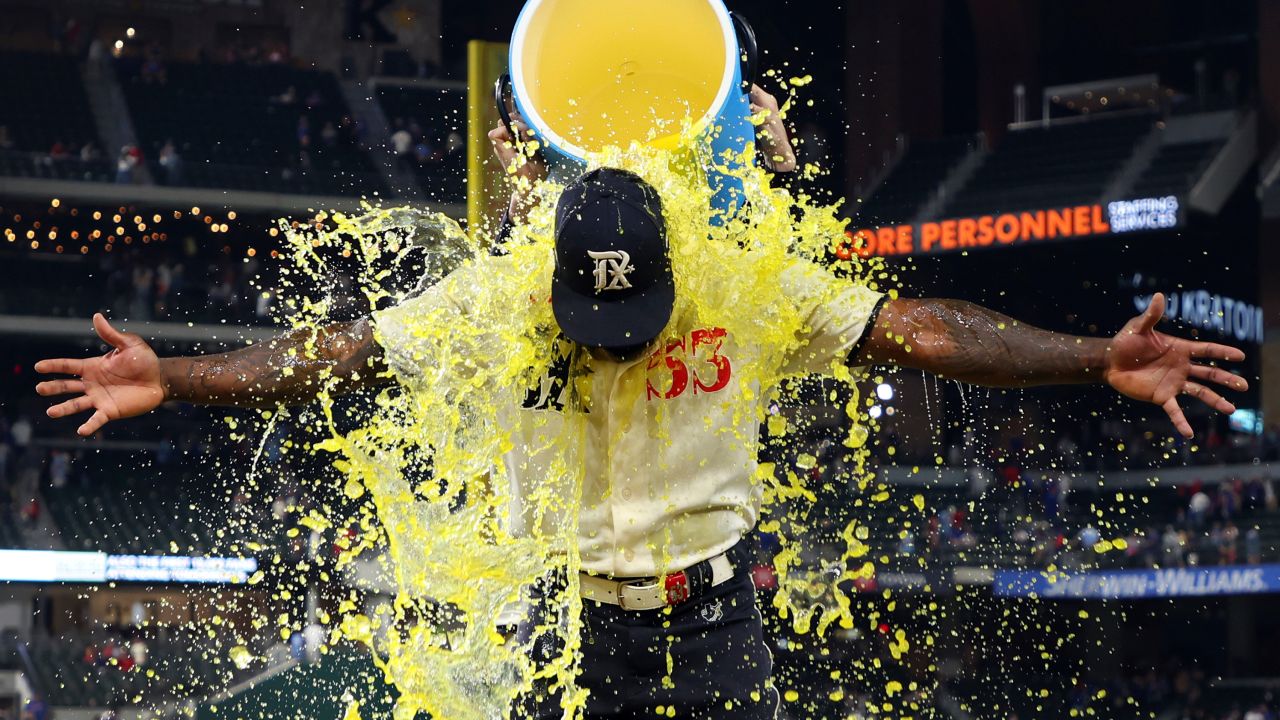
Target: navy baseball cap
(613,286)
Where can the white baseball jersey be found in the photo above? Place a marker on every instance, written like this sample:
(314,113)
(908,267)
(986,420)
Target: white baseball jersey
(669,454)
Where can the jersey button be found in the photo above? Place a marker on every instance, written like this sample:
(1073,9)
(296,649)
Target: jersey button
(629,554)
(626,493)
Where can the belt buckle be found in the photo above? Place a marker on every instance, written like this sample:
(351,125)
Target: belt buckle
(622,595)
(677,587)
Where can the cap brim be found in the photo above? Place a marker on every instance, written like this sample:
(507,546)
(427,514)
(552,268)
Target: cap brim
(593,322)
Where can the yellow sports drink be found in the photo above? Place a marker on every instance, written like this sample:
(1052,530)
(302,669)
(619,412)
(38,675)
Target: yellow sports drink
(590,74)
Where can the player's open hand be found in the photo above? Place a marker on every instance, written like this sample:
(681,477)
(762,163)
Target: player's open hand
(1153,367)
(772,138)
(124,383)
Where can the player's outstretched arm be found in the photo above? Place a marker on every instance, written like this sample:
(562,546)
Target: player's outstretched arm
(969,343)
(131,380)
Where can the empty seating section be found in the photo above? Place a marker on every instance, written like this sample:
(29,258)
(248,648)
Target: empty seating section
(436,119)
(43,106)
(1057,166)
(139,512)
(914,180)
(267,128)
(1175,168)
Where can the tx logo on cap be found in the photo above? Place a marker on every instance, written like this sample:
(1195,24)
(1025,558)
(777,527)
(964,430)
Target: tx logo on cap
(611,270)
(613,284)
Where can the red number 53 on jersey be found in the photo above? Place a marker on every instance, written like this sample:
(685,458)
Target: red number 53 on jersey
(690,364)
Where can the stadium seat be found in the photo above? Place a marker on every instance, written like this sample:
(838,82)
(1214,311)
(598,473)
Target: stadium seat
(916,177)
(1055,166)
(1175,168)
(240,127)
(36,119)
(438,118)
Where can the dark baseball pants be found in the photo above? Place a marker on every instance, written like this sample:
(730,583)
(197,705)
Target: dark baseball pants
(706,659)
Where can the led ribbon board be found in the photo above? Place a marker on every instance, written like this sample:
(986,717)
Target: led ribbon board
(93,567)
(1137,584)
(1013,228)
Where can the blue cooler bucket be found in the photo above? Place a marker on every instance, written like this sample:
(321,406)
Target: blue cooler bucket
(588,74)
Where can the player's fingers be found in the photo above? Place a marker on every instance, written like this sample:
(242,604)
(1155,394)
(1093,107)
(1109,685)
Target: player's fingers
(1214,351)
(1153,313)
(60,366)
(1179,420)
(759,96)
(70,407)
(112,336)
(1218,375)
(59,387)
(1208,397)
(93,424)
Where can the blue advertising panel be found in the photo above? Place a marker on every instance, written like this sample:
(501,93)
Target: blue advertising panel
(1136,584)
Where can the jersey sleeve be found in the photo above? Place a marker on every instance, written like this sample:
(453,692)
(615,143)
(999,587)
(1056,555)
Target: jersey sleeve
(414,334)
(838,314)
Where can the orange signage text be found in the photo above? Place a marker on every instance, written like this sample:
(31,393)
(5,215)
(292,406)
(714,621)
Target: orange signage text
(975,233)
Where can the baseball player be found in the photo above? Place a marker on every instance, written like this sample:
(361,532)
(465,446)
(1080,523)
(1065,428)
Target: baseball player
(612,296)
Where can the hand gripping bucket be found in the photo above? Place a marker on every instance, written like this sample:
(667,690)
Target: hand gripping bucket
(587,74)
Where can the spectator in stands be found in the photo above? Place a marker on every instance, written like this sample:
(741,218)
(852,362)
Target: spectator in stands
(1171,548)
(304,132)
(153,70)
(163,286)
(59,469)
(907,544)
(350,132)
(97,51)
(1089,537)
(424,155)
(288,98)
(401,139)
(20,433)
(140,303)
(6,142)
(89,152)
(1199,508)
(1253,546)
(36,709)
(126,164)
(1259,712)
(59,151)
(264,305)
(329,134)
(138,652)
(31,511)
(1229,546)
(171,164)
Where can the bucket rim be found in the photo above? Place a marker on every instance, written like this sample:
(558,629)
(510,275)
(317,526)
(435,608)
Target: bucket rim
(728,80)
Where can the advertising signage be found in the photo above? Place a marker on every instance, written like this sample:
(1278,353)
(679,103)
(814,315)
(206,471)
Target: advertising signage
(1231,318)
(1138,584)
(1012,229)
(51,566)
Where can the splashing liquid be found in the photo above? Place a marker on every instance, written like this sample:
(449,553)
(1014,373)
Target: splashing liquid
(430,455)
